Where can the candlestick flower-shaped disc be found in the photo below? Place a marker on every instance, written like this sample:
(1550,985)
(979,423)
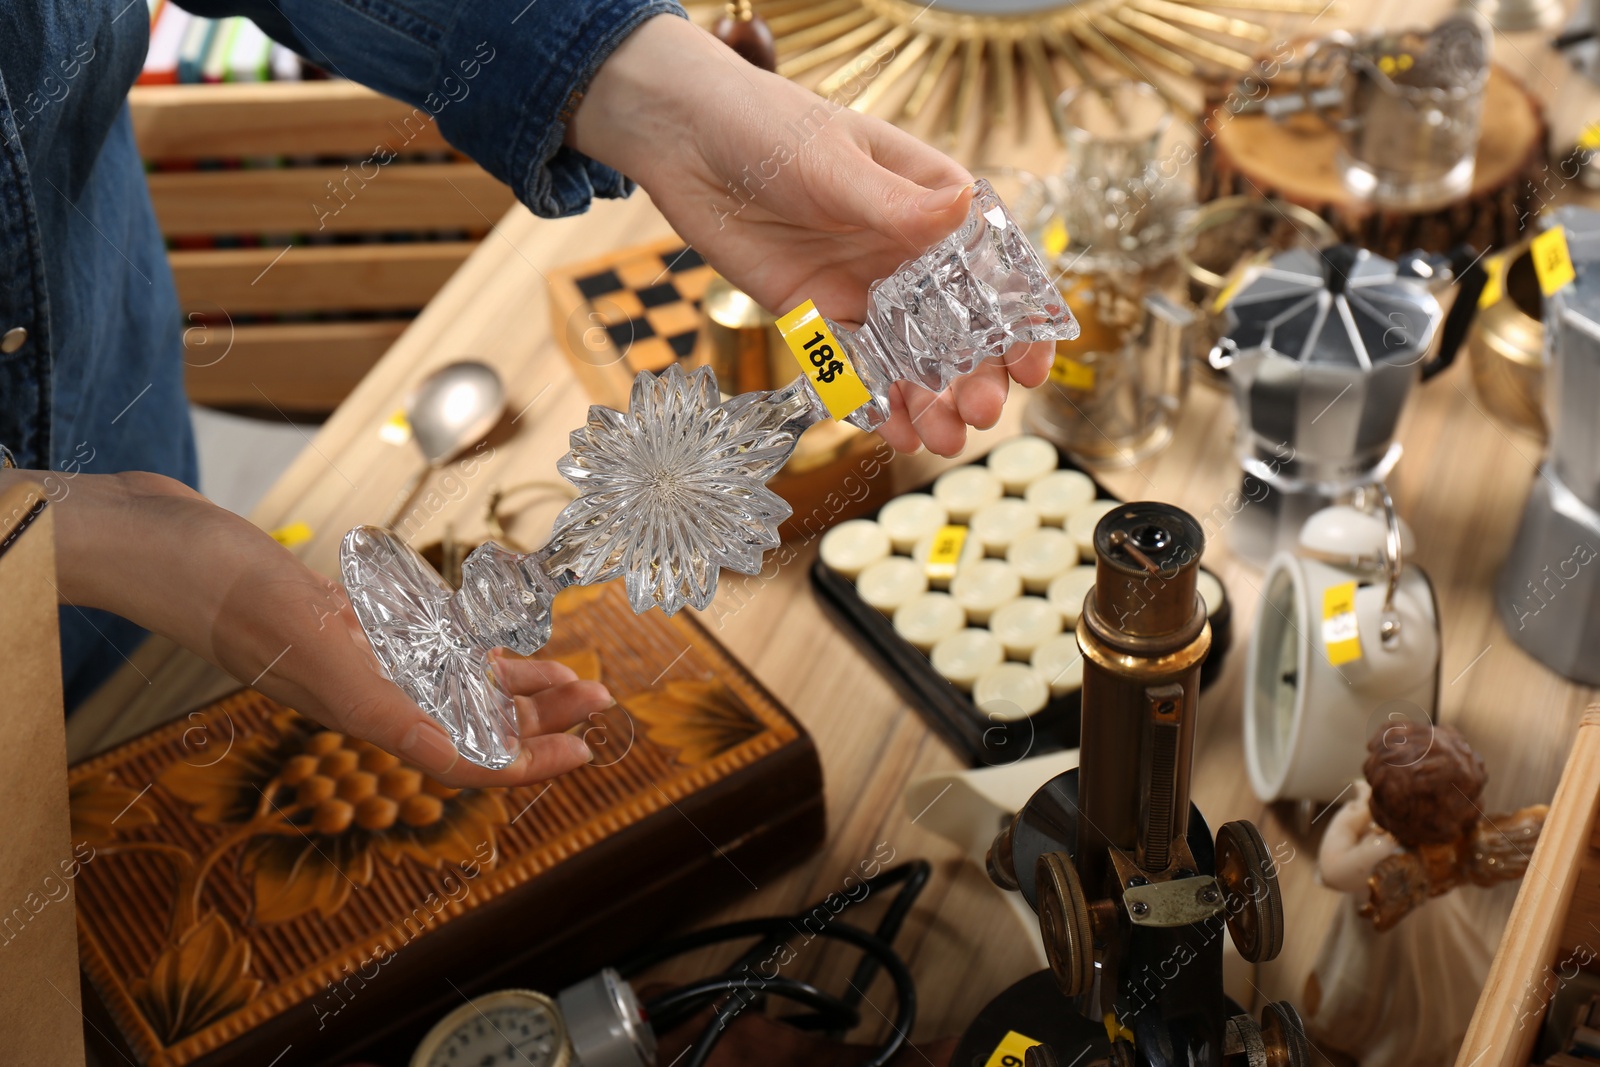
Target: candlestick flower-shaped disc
(673,490)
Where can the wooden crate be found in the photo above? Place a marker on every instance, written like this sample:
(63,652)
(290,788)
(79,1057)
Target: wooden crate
(1554,927)
(316,316)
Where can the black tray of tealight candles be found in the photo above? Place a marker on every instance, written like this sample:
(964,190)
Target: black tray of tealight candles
(982,739)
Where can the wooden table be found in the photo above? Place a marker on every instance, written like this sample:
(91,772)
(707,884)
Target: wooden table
(1461,485)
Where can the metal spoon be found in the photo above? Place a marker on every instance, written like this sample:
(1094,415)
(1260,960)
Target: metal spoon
(450,410)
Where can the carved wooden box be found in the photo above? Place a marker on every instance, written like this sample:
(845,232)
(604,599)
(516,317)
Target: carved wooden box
(251,883)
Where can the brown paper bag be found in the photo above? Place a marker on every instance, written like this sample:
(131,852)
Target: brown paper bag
(40,1018)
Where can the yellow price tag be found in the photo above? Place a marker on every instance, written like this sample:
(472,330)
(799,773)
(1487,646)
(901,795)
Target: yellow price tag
(1070,374)
(296,533)
(1008,1053)
(1494,269)
(1225,294)
(1395,64)
(1340,633)
(1552,261)
(823,360)
(1590,137)
(945,553)
(396,429)
(1054,237)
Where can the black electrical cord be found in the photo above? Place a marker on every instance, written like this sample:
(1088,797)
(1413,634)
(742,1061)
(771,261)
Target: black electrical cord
(787,988)
(835,1014)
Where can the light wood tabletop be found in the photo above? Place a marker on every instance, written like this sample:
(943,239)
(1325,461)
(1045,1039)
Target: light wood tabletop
(1461,485)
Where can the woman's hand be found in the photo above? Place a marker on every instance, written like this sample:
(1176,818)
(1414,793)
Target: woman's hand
(789,196)
(156,552)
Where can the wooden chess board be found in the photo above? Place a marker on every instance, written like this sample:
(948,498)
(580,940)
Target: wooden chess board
(630,311)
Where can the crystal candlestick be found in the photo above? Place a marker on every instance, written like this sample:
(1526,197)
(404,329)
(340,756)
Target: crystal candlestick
(673,490)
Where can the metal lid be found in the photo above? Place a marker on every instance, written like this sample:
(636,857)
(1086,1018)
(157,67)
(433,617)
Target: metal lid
(1342,307)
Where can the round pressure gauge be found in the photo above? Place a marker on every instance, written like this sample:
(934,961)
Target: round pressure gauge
(1339,648)
(511,1026)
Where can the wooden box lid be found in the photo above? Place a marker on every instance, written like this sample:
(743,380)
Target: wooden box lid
(223,908)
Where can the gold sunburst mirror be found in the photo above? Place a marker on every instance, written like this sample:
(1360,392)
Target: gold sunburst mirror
(947,66)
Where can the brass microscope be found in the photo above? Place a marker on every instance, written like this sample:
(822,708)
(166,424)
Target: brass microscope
(1132,891)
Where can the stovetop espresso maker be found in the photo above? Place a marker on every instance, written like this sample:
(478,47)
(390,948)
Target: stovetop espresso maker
(1322,349)
(1549,589)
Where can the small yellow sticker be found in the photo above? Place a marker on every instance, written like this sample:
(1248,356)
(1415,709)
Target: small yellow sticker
(1494,269)
(1340,633)
(1055,237)
(1115,1031)
(1009,1052)
(945,552)
(1227,291)
(1590,137)
(1552,261)
(396,429)
(1071,374)
(823,360)
(1395,64)
(292,535)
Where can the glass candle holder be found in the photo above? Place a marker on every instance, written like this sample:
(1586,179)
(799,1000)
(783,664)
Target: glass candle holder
(1115,391)
(1120,210)
(673,490)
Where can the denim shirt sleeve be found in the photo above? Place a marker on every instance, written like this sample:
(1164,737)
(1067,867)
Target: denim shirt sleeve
(501,79)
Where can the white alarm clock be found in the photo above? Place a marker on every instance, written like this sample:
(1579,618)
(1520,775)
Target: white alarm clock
(1346,633)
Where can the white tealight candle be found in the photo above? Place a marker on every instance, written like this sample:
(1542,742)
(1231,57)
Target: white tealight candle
(1210,591)
(908,519)
(851,547)
(1060,662)
(1057,495)
(984,585)
(1021,461)
(888,583)
(964,490)
(939,576)
(1067,592)
(926,619)
(965,654)
(1010,691)
(1040,556)
(1081,524)
(1024,624)
(997,525)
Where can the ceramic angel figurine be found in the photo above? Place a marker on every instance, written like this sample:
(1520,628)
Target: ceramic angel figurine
(1400,972)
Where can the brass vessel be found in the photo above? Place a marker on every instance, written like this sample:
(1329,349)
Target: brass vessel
(1506,347)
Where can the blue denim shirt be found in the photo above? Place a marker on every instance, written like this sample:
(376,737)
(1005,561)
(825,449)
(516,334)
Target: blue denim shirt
(96,383)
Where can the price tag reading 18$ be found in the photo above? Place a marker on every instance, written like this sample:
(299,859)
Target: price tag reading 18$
(823,360)
(1340,633)
(1010,1050)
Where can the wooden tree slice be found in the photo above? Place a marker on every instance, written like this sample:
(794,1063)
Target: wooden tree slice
(1295,160)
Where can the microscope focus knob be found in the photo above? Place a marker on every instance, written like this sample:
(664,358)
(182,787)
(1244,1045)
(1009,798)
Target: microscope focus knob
(1249,878)
(999,862)
(1064,923)
(1284,1035)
